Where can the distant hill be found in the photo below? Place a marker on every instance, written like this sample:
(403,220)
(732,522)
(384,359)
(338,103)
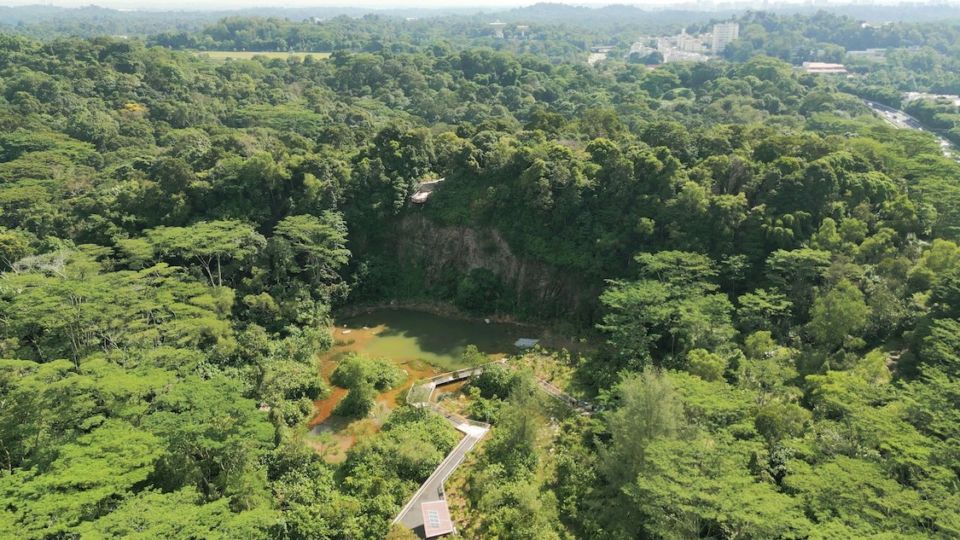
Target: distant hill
(50,21)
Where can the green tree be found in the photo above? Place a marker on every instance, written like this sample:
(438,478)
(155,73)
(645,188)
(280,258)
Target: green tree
(86,478)
(649,410)
(700,487)
(209,244)
(796,273)
(763,309)
(671,310)
(205,450)
(839,317)
(319,243)
(356,370)
(706,365)
(776,421)
(14,245)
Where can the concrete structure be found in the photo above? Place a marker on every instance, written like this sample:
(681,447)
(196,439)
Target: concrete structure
(723,35)
(641,49)
(436,519)
(824,68)
(431,491)
(690,44)
(525,343)
(953,99)
(424,190)
(679,48)
(875,55)
(684,47)
(598,53)
(498,28)
(683,56)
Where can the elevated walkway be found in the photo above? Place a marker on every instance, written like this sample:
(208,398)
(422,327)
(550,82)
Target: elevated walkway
(420,396)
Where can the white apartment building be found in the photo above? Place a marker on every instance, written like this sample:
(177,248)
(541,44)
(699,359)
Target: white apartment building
(723,34)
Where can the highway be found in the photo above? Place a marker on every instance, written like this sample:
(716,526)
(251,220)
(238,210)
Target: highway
(902,120)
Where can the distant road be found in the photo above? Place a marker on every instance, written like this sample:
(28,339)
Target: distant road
(896,117)
(902,120)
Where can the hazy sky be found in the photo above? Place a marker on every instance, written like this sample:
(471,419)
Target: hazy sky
(229,4)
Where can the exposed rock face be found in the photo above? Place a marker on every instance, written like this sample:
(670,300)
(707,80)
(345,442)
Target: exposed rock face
(438,250)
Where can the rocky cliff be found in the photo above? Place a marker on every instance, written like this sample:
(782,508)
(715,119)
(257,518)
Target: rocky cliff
(437,250)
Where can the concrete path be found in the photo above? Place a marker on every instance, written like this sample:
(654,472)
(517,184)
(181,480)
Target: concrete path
(432,489)
(421,396)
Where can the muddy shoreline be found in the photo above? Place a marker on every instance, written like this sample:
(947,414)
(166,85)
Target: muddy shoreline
(551,336)
(440,309)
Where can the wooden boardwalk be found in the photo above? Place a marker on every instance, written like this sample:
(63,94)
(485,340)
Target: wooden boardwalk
(583,407)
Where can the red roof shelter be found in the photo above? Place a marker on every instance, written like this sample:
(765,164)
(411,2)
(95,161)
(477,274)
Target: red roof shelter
(436,519)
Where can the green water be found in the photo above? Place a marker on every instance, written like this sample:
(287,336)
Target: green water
(405,335)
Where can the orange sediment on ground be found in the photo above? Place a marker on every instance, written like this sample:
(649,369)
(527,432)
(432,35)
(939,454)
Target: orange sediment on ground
(356,340)
(421,344)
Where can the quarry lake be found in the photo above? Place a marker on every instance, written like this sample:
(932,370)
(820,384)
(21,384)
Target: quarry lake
(405,335)
(421,342)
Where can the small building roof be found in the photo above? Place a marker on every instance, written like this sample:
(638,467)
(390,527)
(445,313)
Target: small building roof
(436,519)
(823,67)
(525,343)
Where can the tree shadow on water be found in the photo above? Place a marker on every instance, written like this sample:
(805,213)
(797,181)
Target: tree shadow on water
(439,335)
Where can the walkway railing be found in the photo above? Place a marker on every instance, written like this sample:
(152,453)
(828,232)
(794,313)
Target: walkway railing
(438,474)
(431,384)
(420,395)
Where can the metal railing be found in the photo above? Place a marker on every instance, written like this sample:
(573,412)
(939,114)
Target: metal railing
(432,383)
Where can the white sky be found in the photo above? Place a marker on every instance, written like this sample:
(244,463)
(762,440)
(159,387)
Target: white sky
(231,4)
(213,5)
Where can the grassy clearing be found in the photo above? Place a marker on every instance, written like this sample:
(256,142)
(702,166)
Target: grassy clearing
(558,369)
(247,55)
(419,394)
(334,437)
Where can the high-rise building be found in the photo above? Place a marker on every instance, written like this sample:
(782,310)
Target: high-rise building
(723,34)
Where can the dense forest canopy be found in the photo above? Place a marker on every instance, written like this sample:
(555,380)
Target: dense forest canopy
(768,276)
